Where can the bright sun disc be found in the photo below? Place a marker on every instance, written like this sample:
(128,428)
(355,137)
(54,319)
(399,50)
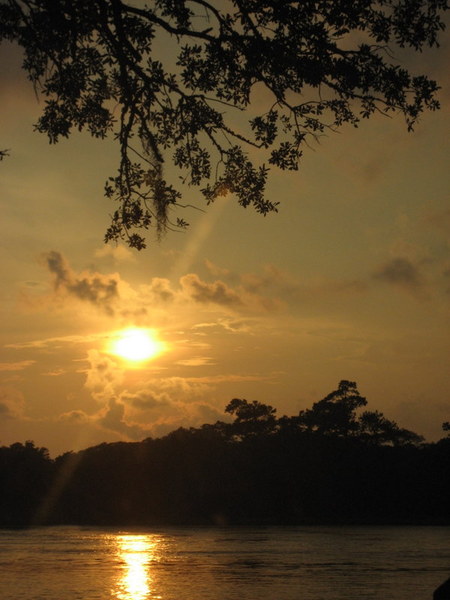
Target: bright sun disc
(136,344)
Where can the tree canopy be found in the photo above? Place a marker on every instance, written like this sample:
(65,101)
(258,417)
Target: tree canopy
(257,469)
(172,81)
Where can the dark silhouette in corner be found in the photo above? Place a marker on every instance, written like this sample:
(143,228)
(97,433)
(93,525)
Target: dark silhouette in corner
(443,591)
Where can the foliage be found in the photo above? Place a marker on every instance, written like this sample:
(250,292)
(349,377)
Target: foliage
(255,470)
(251,418)
(172,79)
(25,475)
(375,428)
(336,413)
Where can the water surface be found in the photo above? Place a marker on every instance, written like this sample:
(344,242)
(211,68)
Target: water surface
(300,563)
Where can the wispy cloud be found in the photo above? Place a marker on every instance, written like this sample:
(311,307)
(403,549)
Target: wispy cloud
(77,417)
(196,361)
(55,373)
(57,341)
(16,366)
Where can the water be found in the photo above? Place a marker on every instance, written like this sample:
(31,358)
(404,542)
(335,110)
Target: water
(300,563)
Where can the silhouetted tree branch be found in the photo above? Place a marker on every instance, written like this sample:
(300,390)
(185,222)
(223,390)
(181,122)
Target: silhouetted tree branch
(106,66)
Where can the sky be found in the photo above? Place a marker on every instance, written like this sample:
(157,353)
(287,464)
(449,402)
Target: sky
(350,280)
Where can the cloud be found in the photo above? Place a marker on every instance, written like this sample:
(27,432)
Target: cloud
(275,289)
(159,290)
(16,366)
(400,272)
(114,420)
(242,297)
(269,291)
(205,293)
(215,270)
(94,288)
(56,341)
(196,361)
(145,399)
(111,417)
(75,416)
(230,378)
(12,403)
(170,393)
(206,413)
(180,388)
(228,324)
(272,278)
(181,414)
(288,288)
(55,373)
(104,376)
(119,253)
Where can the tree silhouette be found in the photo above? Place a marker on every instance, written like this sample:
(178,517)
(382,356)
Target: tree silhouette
(336,413)
(171,79)
(25,475)
(256,470)
(375,428)
(251,418)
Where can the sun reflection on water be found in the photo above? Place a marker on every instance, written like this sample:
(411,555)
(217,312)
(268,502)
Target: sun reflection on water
(136,552)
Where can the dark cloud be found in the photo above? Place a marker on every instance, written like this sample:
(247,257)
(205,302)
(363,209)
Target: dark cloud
(401,272)
(275,286)
(57,265)
(5,410)
(160,289)
(216,293)
(93,288)
(272,278)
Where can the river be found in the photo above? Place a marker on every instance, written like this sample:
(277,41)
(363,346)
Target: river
(295,563)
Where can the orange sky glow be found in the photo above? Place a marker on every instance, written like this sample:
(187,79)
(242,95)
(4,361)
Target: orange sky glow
(350,280)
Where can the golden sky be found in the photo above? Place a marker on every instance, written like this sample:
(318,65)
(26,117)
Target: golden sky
(350,280)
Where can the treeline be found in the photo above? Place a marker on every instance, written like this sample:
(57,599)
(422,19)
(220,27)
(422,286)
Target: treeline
(331,464)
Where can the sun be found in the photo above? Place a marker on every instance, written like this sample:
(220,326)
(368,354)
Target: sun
(136,344)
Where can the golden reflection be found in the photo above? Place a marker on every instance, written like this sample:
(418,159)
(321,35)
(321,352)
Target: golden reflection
(136,552)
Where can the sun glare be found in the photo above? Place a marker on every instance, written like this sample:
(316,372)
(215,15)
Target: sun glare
(136,344)
(136,552)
